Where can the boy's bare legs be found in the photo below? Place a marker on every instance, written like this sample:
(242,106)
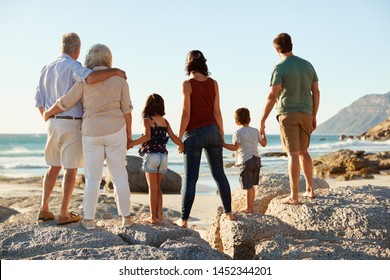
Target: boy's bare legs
(293,173)
(49,182)
(250,200)
(307,167)
(68,183)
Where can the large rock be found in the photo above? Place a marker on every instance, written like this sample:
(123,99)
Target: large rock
(171,181)
(238,239)
(342,223)
(348,164)
(270,186)
(21,237)
(288,248)
(350,212)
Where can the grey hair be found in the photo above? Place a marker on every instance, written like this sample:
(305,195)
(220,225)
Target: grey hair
(98,55)
(70,42)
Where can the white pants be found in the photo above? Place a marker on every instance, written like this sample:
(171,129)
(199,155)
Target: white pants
(111,148)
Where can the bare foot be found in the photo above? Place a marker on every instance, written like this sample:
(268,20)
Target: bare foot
(149,221)
(247,211)
(181,223)
(309,193)
(229,216)
(289,200)
(160,218)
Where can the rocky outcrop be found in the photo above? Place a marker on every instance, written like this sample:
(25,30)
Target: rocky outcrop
(21,237)
(342,223)
(348,164)
(171,181)
(270,186)
(380,132)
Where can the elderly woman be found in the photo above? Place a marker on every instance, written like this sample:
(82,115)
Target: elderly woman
(106,131)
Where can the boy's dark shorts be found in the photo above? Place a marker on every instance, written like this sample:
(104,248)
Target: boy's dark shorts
(249,175)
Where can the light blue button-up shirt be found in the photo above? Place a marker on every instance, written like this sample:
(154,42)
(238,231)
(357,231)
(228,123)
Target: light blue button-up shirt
(57,79)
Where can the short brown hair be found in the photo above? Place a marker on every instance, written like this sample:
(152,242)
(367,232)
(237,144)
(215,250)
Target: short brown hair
(283,43)
(242,116)
(70,42)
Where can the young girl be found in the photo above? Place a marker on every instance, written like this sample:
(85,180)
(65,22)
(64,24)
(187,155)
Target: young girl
(154,151)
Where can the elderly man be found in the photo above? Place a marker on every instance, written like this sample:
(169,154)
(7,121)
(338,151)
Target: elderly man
(294,89)
(63,147)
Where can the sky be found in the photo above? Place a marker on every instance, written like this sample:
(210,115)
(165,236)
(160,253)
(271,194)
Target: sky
(346,41)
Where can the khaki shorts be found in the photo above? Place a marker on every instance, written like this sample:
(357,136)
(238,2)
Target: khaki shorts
(63,145)
(295,131)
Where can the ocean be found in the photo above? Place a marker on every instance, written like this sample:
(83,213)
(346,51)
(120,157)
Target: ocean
(22,155)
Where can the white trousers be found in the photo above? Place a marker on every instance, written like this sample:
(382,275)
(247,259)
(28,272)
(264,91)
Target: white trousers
(111,148)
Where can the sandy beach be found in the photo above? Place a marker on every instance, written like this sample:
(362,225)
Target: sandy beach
(204,206)
(202,212)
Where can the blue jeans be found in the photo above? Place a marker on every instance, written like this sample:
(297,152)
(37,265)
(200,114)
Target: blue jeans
(208,138)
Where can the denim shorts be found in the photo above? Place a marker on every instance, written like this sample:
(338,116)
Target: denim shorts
(249,175)
(155,163)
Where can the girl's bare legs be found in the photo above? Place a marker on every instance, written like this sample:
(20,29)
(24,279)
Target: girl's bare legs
(151,178)
(159,216)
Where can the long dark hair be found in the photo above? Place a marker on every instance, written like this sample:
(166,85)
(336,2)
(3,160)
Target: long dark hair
(154,105)
(196,62)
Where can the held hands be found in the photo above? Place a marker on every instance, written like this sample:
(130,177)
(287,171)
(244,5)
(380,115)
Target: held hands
(130,143)
(262,128)
(180,147)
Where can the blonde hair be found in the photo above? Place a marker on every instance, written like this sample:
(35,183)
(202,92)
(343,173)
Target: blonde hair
(98,55)
(70,42)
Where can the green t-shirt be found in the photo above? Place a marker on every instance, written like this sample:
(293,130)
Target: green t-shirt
(296,76)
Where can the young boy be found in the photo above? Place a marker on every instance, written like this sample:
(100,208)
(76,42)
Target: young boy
(245,141)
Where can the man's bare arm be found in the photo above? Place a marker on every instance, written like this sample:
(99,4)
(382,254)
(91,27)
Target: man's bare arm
(271,99)
(102,75)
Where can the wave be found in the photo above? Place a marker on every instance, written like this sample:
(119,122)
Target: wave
(22,152)
(352,145)
(20,165)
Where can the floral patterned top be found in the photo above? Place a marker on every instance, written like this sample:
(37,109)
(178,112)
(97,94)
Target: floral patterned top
(157,142)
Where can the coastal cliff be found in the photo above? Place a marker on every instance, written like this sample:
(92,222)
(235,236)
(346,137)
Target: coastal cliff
(360,116)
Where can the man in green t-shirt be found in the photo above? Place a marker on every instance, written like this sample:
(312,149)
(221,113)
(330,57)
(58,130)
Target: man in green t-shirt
(294,89)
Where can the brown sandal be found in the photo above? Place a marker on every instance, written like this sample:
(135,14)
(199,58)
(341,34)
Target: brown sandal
(45,215)
(74,217)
